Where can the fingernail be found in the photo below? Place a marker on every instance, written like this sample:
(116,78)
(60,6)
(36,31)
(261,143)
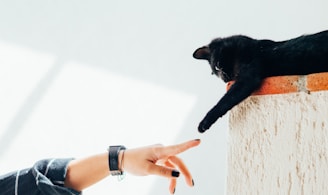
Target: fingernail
(197,139)
(193,183)
(173,191)
(175,173)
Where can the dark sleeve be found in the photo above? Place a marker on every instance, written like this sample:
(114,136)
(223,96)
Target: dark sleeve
(46,177)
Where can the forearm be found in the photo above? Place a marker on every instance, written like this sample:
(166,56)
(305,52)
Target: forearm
(85,172)
(150,160)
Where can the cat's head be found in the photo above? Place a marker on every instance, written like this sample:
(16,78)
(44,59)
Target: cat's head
(216,54)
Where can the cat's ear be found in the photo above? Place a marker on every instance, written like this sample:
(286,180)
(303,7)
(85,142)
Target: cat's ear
(202,53)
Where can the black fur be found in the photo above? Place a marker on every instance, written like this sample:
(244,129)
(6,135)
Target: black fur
(248,61)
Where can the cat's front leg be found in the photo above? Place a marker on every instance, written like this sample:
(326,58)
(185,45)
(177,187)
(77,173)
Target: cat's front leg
(240,90)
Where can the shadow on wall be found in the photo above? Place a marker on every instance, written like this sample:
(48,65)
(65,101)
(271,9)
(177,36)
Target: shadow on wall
(135,45)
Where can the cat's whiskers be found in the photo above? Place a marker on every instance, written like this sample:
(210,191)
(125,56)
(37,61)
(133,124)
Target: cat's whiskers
(219,72)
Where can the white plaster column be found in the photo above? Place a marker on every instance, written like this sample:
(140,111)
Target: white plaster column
(278,144)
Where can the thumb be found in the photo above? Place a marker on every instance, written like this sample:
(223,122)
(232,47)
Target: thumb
(163,171)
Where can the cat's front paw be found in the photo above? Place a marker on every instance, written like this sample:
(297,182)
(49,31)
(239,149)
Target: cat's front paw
(203,126)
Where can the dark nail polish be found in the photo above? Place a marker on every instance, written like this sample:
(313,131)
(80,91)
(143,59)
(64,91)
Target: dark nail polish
(173,191)
(175,173)
(193,183)
(197,139)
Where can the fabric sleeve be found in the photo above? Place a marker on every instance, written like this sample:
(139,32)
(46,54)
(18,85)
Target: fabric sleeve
(50,175)
(46,177)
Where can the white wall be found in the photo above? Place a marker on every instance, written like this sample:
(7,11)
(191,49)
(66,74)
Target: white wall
(93,73)
(278,145)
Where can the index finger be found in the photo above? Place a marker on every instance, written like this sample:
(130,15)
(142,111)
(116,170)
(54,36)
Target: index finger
(178,148)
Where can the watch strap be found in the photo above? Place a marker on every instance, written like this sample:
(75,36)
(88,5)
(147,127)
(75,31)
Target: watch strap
(113,161)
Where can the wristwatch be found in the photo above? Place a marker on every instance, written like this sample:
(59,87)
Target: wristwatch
(113,162)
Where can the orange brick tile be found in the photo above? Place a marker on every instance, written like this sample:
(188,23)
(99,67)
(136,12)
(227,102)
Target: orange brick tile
(292,84)
(278,85)
(317,82)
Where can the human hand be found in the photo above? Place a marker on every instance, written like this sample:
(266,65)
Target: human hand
(159,160)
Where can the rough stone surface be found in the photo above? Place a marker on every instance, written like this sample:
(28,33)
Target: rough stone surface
(278,144)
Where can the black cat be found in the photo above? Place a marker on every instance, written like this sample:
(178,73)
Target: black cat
(248,61)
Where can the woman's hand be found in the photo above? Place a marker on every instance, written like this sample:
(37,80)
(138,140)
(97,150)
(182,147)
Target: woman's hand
(158,160)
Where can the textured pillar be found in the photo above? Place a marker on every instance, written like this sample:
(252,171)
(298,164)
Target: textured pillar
(278,143)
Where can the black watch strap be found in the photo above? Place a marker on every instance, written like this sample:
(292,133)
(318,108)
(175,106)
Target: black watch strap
(113,162)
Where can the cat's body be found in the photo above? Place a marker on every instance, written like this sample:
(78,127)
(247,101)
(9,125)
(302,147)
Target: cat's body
(248,61)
